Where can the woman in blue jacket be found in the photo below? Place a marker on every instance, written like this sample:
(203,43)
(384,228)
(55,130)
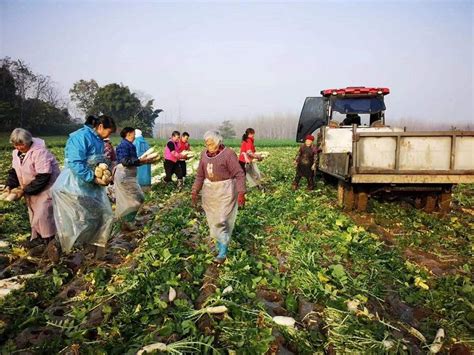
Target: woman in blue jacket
(82,210)
(128,194)
(144,171)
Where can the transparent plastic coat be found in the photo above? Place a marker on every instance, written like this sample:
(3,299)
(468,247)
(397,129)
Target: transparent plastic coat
(82,210)
(219,201)
(128,194)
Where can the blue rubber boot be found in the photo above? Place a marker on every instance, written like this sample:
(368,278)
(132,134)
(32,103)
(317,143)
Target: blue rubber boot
(220,258)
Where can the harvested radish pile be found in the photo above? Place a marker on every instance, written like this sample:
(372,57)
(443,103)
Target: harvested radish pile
(103,173)
(301,277)
(11,195)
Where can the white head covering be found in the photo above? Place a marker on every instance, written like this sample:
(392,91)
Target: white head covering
(138,133)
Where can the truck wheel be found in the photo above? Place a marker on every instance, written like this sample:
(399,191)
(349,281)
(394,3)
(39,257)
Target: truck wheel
(362,199)
(430,203)
(349,198)
(340,194)
(345,196)
(445,202)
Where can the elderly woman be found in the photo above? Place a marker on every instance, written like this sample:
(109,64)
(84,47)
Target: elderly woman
(222,182)
(82,210)
(128,193)
(34,170)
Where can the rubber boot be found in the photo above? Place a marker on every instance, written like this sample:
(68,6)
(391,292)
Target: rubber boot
(220,258)
(180,184)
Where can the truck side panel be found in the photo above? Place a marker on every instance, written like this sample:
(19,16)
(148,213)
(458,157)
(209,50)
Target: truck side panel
(377,153)
(464,157)
(425,153)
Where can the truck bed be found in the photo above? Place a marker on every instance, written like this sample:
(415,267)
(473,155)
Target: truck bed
(393,156)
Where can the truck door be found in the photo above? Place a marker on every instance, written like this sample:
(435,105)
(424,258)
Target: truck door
(313,115)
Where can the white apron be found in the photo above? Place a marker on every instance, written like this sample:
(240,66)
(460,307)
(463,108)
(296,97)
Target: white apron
(219,200)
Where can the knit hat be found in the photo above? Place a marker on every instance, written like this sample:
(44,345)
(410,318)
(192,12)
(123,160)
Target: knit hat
(138,133)
(310,137)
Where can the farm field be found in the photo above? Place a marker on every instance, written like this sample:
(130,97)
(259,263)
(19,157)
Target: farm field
(383,281)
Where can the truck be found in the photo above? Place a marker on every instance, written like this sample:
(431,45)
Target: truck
(369,158)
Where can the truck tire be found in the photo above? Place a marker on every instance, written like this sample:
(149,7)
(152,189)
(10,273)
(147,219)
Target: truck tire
(345,196)
(362,199)
(444,201)
(430,204)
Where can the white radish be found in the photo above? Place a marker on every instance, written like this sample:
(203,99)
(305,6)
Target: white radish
(171,294)
(216,310)
(388,344)
(437,342)
(152,156)
(227,290)
(353,305)
(11,197)
(285,321)
(148,152)
(152,347)
(98,172)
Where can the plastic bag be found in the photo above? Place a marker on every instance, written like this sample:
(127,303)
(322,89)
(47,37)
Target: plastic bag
(82,211)
(128,194)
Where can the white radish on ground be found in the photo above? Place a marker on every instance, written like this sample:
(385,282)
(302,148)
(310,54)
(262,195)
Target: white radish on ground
(171,294)
(152,347)
(227,290)
(285,321)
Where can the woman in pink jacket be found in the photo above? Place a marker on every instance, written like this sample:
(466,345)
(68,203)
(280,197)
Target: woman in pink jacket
(34,171)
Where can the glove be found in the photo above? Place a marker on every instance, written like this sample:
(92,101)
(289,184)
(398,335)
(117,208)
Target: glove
(241,199)
(194,198)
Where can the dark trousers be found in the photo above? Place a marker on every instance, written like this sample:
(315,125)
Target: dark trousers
(304,171)
(172,168)
(182,166)
(242,165)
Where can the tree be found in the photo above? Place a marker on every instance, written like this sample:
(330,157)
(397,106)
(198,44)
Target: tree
(117,101)
(83,92)
(29,100)
(125,107)
(227,130)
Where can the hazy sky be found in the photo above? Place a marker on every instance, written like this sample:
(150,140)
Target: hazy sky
(218,60)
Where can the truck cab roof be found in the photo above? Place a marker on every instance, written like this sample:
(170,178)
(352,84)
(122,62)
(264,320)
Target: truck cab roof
(356,91)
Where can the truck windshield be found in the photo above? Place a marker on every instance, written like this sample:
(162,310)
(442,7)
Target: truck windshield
(358,105)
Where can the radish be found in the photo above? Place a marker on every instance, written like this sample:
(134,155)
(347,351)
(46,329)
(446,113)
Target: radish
(437,342)
(152,347)
(152,156)
(286,321)
(171,294)
(228,289)
(216,310)
(148,152)
(98,172)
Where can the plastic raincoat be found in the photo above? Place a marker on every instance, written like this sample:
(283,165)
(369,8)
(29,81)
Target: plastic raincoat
(82,210)
(144,171)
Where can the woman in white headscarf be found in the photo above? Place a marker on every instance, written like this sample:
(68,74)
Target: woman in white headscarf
(143,171)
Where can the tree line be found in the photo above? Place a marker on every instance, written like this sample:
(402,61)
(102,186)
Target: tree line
(32,101)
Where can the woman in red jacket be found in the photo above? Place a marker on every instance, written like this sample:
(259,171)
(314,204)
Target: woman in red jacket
(248,156)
